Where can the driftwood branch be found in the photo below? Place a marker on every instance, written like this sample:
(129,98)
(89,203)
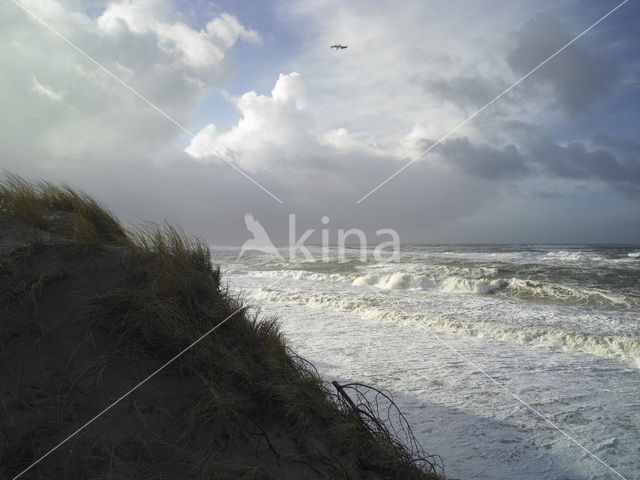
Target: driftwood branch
(379,414)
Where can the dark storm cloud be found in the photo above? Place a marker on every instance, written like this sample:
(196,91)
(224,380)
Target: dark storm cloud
(612,161)
(482,160)
(623,145)
(579,76)
(609,164)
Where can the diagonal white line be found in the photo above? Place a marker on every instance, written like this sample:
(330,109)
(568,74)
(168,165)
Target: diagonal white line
(142,97)
(471,117)
(501,386)
(133,389)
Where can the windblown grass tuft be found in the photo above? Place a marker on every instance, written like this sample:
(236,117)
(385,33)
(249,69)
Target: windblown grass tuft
(60,210)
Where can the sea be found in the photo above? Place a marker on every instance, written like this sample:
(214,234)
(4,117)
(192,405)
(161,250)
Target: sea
(508,361)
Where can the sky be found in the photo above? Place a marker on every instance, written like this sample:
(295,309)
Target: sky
(237,102)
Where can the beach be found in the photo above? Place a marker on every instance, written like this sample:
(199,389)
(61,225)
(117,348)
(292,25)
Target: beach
(507,359)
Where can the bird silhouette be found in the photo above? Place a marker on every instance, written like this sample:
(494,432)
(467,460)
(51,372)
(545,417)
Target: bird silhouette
(339,47)
(260,241)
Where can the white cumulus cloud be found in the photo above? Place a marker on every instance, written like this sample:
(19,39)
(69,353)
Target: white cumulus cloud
(272,127)
(194,48)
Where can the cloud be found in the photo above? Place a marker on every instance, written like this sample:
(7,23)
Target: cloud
(575,161)
(342,140)
(623,146)
(319,136)
(277,133)
(578,76)
(325,172)
(483,160)
(228,30)
(194,49)
(331,168)
(289,88)
(465,90)
(81,112)
(273,129)
(46,91)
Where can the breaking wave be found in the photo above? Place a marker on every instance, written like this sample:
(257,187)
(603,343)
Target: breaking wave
(618,346)
(404,281)
(516,288)
(557,293)
(304,275)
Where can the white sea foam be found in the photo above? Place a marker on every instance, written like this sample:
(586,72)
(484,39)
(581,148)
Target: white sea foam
(546,257)
(373,308)
(469,281)
(569,294)
(492,257)
(584,258)
(404,281)
(558,326)
(481,431)
(572,257)
(472,285)
(304,275)
(395,281)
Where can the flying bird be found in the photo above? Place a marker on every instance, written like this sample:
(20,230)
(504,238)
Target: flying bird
(339,47)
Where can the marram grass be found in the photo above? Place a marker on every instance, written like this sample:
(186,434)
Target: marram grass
(60,210)
(244,390)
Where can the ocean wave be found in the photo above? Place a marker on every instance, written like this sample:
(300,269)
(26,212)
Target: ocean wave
(235,271)
(572,257)
(454,284)
(516,288)
(616,346)
(312,299)
(588,259)
(395,281)
(304,275)
(373,308)
(557,293)
(471,285)
(491,257)
(553,257)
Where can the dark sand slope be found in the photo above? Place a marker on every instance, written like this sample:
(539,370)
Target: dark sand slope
(88,311)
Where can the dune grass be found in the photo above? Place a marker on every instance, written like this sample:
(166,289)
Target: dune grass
(60,210)
(168,294)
